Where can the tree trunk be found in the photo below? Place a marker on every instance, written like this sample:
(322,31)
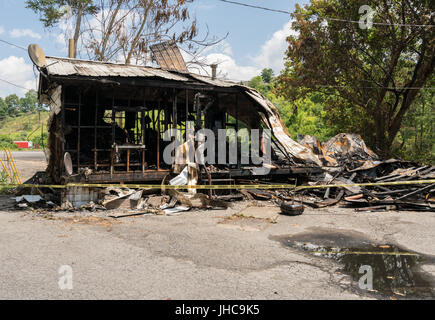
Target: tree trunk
(421,76)
(382,145)
(139,32)
(109,31)
(78,26)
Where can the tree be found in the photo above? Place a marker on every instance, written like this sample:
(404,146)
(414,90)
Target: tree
(416,138)
(29,102)
(13,105)
(371,75)
(3,109)
(258,84)
(306,115)
(52,11)
(267,75)
(124,29)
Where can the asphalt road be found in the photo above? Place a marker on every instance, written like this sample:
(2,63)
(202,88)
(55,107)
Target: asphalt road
(29,155)
(196,255)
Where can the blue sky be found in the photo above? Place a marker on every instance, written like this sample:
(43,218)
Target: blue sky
(256,39)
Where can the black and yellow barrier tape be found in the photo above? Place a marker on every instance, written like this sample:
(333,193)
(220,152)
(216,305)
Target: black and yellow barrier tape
(216,187)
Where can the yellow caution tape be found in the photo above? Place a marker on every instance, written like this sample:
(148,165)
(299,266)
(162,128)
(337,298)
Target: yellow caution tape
(367,184)
(208,187)
(149,186)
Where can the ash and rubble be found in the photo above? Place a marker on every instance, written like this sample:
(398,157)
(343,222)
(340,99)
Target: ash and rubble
(356,163)
(353,163)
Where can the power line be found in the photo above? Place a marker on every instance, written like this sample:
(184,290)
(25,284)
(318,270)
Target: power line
(14,45)
(379,87)
(327,18)
(6,81)
(379,23)
(256,7)
(16,85)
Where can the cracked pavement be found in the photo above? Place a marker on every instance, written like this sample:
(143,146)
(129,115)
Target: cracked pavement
(211,254)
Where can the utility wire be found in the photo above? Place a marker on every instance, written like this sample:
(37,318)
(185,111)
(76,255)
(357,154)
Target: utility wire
(14,45)
(327,18)
(19,47)
(379,87)
(16,85)
(256,7)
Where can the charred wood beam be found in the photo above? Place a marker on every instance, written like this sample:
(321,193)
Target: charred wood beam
(121,177)
(416,191)
(78,130)
(140,82)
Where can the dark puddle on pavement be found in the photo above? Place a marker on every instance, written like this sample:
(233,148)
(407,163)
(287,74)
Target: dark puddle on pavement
(395,270)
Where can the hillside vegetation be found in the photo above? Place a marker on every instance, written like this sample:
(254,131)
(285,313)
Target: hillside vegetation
(22,119)
(26,127)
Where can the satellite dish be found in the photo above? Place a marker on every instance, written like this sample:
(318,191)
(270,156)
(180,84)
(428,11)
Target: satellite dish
(68,163)
(37,55)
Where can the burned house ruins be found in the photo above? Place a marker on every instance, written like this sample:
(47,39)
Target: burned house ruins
(109,119)
(108,122)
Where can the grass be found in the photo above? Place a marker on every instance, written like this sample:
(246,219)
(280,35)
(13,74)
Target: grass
(26,127)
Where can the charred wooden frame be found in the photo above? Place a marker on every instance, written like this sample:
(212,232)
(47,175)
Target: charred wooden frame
(113,126)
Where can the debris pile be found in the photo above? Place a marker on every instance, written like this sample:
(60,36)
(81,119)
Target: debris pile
(357,164)
(33,201)
(109,125)
(344,149)
(374,195)
(349,161)
(358,179)
(122,200)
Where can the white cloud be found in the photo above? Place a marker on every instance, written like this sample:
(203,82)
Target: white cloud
(273,50)
(19,33)
(221,54)
(2,30)
(16,70)
(271,55)
(229,69)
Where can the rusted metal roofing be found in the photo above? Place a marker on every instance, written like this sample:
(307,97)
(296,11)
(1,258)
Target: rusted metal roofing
(214,82)
(168,56)
(85,68)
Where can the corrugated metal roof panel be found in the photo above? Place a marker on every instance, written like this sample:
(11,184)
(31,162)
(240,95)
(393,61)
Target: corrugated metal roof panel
(214,82)
(59,67)
(85,68)
(168,56)
(70,67)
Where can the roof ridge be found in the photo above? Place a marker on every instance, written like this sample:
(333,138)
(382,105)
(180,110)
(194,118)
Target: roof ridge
(193,75)
(120,64)
(102,62)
